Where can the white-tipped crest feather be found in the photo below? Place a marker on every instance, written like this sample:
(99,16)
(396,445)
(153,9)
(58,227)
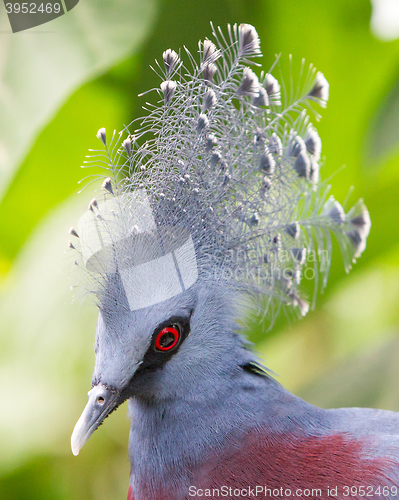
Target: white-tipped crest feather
(229,174)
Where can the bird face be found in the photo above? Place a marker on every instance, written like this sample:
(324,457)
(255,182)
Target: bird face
(132,350)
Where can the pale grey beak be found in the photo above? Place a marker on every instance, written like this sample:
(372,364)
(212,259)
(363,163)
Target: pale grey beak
(101,402)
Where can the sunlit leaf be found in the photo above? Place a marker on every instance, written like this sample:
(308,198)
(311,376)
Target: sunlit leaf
(382,138)
(42,66)
(52,170)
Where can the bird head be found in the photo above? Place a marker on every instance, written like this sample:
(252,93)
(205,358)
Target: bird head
(158,353)
(131,349)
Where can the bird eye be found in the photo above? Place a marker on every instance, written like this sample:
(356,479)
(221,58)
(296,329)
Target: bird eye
(168,338)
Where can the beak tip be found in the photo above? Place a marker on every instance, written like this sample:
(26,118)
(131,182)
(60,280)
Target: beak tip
(75,449)
(75,446)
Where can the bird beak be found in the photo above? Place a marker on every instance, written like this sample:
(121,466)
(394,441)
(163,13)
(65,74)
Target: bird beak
(102,401)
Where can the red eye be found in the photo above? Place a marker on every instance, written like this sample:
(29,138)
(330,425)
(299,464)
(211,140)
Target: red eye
(167,338)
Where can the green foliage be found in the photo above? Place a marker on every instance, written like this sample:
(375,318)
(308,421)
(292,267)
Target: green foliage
(41,67)
(57,91)
(382,139)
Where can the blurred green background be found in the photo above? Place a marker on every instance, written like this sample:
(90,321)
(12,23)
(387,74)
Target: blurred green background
(61,82)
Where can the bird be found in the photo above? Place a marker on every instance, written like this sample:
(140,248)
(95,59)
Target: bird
(211,209)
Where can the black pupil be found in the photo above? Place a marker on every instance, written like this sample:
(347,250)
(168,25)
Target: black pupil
(167,339)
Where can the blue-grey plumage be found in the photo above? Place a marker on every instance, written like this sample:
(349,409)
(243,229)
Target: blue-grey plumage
(219,209)
(190,412)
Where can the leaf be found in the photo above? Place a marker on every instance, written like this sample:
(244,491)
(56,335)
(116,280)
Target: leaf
(382,138)
(51,171)
(368,379)
(39,68)
(46,348)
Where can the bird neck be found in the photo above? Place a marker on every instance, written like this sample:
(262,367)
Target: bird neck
(213,396)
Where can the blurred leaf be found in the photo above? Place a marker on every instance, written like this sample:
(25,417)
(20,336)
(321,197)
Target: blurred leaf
(42,66)
(382,138)
(51,171)
(46,349)
(369,379)
(99,475)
